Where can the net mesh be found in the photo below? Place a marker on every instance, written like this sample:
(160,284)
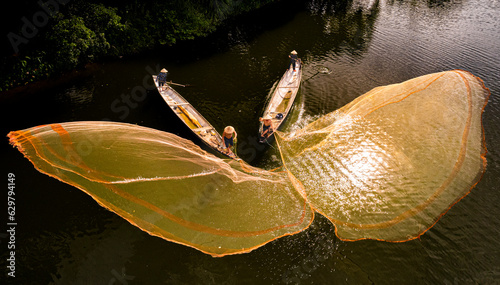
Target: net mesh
(390,163)
(386,166)
(168,186)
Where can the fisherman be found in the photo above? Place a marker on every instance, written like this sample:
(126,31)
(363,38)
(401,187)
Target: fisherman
(267,127)
(229,137)
(162,77)
(293,59)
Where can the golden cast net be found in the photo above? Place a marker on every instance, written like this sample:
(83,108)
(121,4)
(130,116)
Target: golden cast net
(389,164)
(385,166)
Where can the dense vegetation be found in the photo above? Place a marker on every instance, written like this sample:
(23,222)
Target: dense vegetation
(66,34)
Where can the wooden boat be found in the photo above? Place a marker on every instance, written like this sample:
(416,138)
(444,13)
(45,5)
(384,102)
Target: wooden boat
(192,119)
(282,99)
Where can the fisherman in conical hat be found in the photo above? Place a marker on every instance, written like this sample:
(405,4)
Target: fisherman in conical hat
(267,127)
(162,77)
(293,58)
(229,137)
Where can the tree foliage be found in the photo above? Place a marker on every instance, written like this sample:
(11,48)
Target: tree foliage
(74,42)
(84,32)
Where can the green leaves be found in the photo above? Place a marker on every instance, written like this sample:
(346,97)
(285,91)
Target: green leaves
(84,32)
(74,42)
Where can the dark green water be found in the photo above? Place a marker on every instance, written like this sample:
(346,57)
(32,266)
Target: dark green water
(347,47)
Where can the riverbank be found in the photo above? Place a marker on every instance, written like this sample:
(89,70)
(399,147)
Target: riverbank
(63,36)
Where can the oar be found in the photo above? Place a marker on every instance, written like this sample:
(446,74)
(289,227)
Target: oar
(235,146)
(183,85)
(269,143)
(317,72)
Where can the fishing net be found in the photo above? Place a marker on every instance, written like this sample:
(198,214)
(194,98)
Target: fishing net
(385,166)
(168,186)
(390,163)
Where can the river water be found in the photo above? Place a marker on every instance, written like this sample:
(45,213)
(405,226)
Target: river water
(347,47)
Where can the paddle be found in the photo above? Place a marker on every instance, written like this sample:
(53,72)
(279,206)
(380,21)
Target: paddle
(235,146)
(183,85)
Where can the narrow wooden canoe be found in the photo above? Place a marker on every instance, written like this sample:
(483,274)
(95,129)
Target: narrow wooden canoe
(192,118)
(282,99)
